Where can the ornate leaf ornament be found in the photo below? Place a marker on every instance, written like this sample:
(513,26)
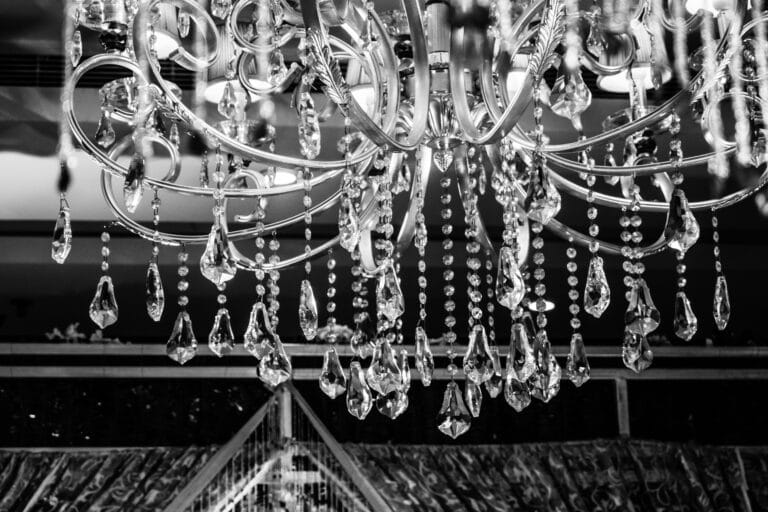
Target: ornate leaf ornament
(551,31)
(327,68)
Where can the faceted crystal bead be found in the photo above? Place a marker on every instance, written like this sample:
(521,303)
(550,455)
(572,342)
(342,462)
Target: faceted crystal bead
(359,396)
(360,344)
(596,39)
(277,68)
(721,305)
(154,294)
(389,297)
(309,126)
(217,263)
(685,322)
(520,361)
(478,361)
(103,310)
(454,418)
(636,352)
(546,379)
(641,316)
(76,48)
(221,339)
(383,374)
(570,96)
(510,287)
(333,382)
(405,371)
(577,366)
(425,363)
(61,244)
(220,8)
(516,393)
(105,133)
(183,22)
(597,293)
(443,159)
(259,338)
(228,102)
(349,226)
(682,229)
(543,199)
(275,367)
(307,310)
(182,345)
(495,384)
(473,395)
(133,188)
(393,404)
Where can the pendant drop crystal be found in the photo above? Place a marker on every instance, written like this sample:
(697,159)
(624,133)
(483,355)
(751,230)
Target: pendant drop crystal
(360,344)
(221,339)
(154,294)
(543,199)
(359,396)
(636,352)
(721,305)
(570,96)
(685,322)
(641,316)
(473,395)
(597,293)
(454,418)
(103,309)
(76,48)
(516,393)
(61,245)
(333,382)
(577,366)
(394,403)
(309,126)
(105,133)
(217,263)
(682,229)
(383,374)
(510,287)
(349,225)
(389,297)
(228,102)
(275,367)
(182,345)
(520,360)
(495,384)
(443,159)
(220,8)
(133,188)
(546,379)
(183,22)
(478,361)
(307,310)
(259,338)
(277,68)
(425,363)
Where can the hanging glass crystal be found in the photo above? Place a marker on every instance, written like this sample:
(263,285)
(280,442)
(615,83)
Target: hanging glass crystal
(721,305)
(183,22)
(105,133)
(516,393)
(546,379)
(182,345)
(510,287)
(473,395)
(495,384)
(217,263)
(577,365)
(685,322)
(360,343)
(307,310)
(478,361)
(454,418)
(359,396)
(682,229)
(103,309)
(520,360)
(425,363)
(221,339)
(636,352)
(133,188)
(277,68)
(259,338)
(76,48)
(641,316)
(405,370)
(383,374)
(596,43)
(443,159)
(275,367)
(543,200)
(228,102)
(570,96)
(61,245)
(394,403)
(220,8)
(349,225)
(597,293)
(333,382)
(309,126)
(154,294)
(389,297)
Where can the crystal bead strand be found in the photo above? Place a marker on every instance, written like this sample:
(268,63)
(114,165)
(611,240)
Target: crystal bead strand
(490,307)
(155,296)
(420,241)
(359,341)
(577,365)
(597,292)
(475,313)
(721,304)
(204,170)
(182,344)
(273,301)
(330,307)
(449,290)
(610,161)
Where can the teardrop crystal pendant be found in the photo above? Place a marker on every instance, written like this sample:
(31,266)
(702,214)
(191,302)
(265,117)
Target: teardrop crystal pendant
(682,229)
(221,339)
(478,362)
(76,48)
(383,374)
(392,404)
(443,158)
(217,263)
(577,366)
(425,362)
(516,393)
(597,293)
(510,287)
(520,360)
(359,396)
(275,367)
(405,371)
(389,297)
(309,126)
(103,309)
(277,68)
(360,343)
(349,225)
(105,133)
(259,339)
(61,245)
(228,102)
(220,8)
(641,316)
(721,305)
(543,199)
(182,345)
(454,418)
(307,310)
(154,294)
(183,22)
(495,384)
(636,352)
(685,322)
(133,188)
(473,395)
(546,379)
(570,96)
(333,382)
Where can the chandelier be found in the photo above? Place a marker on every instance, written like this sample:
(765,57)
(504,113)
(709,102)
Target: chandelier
(461,94)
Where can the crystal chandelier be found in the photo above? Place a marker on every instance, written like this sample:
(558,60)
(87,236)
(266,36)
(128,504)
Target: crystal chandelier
(462,94)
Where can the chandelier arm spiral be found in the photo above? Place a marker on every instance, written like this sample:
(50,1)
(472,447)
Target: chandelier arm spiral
(294,73)
(594,65)
(634,170)
(180,55)
(408,226)
(465,192)
(568,233)
(254,48)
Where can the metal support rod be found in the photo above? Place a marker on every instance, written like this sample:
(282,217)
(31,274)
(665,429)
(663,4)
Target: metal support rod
(622,406)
